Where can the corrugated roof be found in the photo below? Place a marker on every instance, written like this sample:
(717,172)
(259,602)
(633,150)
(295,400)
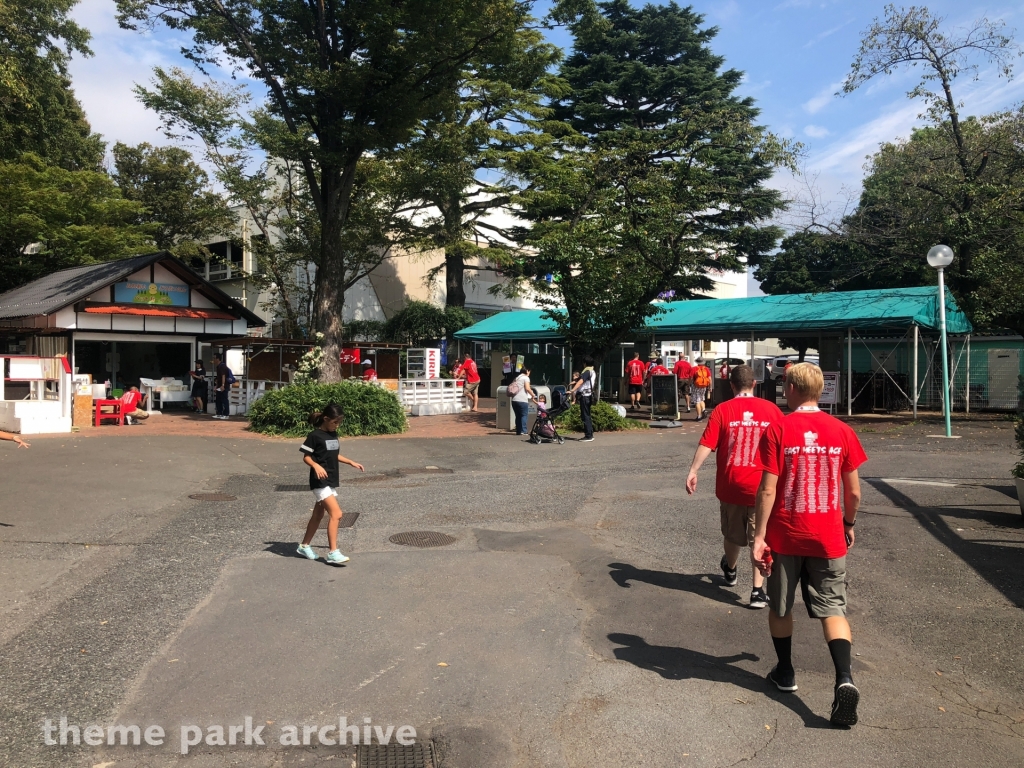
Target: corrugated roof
(809,313)
(59,289)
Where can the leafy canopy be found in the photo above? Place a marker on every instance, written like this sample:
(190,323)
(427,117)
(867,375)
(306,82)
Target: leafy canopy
(653,178)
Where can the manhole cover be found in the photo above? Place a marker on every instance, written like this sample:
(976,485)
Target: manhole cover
(291,488)
(422,539)
(212,497)
(395,756)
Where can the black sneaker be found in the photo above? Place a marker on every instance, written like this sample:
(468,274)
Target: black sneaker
(758,598)
(786,681)
(844,704)
(728,573)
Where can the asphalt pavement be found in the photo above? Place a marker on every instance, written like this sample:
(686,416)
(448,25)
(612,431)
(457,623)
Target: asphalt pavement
(577,619)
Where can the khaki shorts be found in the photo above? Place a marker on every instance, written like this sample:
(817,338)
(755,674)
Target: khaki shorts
(822,584)
(737,524)
(469,389)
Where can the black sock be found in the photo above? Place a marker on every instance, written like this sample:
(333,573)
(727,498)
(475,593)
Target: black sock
(784,650)
(840,650)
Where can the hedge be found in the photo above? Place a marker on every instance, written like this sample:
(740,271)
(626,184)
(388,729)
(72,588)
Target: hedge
(603,416)
(369,409)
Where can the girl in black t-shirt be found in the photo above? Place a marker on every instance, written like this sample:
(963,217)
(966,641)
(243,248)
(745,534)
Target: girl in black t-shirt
(322,455)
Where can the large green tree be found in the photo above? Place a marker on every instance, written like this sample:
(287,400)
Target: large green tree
(457,163)
(181,209)
(52,218)
(38,110)
(653,178)
(957,180)
(340,80)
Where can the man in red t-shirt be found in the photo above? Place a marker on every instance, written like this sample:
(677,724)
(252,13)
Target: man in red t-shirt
(468,371)
(684,372)
(131,406)
(734,431)
(635,371)
(806,509)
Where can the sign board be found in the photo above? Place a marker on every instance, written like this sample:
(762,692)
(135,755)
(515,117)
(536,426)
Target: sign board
(141,292)
(759,369)
(830,394)
(506,364)
(664,397)
(350,356)
(26,368)
(432,361)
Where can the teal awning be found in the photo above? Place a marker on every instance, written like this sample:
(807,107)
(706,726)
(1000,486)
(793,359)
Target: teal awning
(883,310)
(527,324)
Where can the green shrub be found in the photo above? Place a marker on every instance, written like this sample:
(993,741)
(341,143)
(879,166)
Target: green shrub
(369,409)
(602,415)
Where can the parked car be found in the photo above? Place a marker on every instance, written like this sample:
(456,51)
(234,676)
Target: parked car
(779,364)
(733,362)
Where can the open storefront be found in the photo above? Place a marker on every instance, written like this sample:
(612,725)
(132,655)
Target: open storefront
(134,322)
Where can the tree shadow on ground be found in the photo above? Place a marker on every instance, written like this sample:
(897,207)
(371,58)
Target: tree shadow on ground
(683,664)
(998,565)
(699,584)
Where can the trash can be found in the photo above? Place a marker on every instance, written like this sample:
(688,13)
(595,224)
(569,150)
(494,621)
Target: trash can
(505,417)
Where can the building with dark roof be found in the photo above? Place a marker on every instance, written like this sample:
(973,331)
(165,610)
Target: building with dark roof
(142,317)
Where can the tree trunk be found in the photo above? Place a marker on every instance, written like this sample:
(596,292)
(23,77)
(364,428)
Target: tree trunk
(330,301)
(454,276)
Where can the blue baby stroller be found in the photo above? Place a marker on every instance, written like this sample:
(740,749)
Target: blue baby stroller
(544,426)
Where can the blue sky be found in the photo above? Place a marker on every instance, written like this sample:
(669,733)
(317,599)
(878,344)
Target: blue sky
(794,53)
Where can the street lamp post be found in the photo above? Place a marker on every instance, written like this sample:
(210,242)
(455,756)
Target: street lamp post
(940,257)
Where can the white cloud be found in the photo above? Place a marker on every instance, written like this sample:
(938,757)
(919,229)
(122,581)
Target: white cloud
(827,33)
(816,131)
(820,100)
(104,82)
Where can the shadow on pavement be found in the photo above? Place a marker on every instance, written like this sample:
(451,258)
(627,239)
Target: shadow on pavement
(996,564)
(683,664)
(623,573)
(287,549)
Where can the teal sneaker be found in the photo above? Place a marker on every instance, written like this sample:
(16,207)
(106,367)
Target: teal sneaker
(307,551)
(335,556)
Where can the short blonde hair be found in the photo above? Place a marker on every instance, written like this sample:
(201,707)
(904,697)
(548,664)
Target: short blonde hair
(806,379)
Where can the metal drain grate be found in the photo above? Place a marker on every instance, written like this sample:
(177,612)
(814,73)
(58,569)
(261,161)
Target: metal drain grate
(212,497)
(418,755)
(422,539)
(291,488)
(348,519)
(425,471)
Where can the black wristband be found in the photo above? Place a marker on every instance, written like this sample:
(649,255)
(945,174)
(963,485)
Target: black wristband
(849,524)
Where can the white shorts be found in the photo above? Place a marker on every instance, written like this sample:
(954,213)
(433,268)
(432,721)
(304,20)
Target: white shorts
(324,493)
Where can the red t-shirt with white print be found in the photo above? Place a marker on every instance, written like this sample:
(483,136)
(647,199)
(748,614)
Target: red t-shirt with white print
(635,369)
(734,432)
(809,451)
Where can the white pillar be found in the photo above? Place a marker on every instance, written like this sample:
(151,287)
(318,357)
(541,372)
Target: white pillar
(849,371)
(915,391)
(967,382)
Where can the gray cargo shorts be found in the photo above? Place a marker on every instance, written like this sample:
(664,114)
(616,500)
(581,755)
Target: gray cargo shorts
(822,584)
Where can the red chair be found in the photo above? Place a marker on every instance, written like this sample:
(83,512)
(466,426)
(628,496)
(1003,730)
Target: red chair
(116,413)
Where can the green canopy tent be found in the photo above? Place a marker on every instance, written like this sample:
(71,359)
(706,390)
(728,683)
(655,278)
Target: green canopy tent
(880,312)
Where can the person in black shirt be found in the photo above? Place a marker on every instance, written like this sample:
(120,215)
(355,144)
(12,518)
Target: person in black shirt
(200,387)
(322,454)
(220,387)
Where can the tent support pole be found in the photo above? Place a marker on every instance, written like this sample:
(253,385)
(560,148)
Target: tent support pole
(967,387)
(751,349)
(915,390)
(849,371)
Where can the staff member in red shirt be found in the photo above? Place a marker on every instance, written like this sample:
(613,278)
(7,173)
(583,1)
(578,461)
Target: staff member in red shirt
(810,462)
(734,431)
(684,372)
(635,370)
(471,389)
(369,372)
